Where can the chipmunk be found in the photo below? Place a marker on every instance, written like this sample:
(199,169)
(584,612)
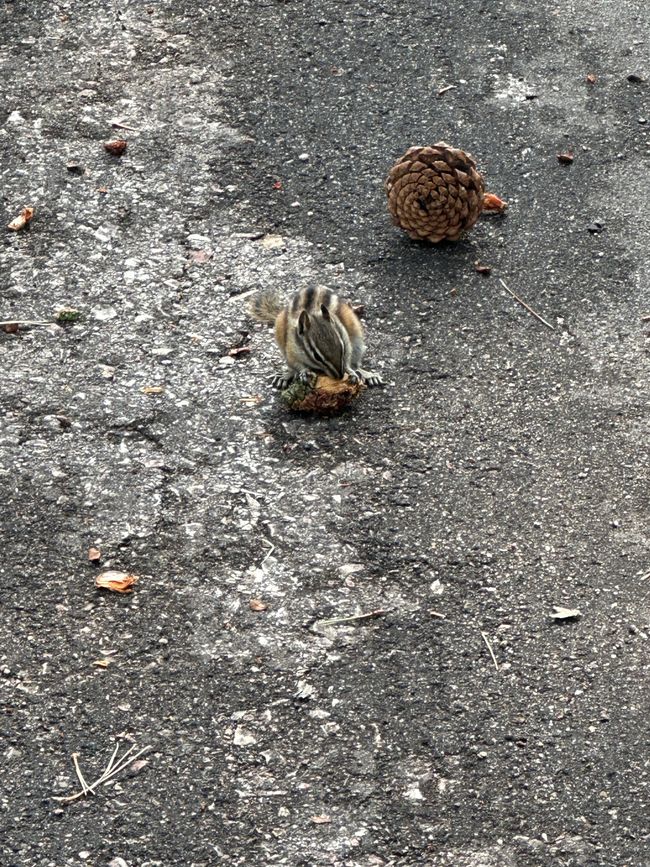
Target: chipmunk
(317,333)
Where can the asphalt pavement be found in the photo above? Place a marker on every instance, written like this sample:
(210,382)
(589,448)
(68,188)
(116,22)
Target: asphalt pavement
(501,473)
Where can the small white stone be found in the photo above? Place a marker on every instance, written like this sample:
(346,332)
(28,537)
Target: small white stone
(350,568)
(104,313)
(198,242)
(102,234)
(305,690)
(303,157)
(414,793)
(191,121)
(243,738)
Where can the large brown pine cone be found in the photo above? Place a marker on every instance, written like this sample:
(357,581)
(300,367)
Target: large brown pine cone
(435,193)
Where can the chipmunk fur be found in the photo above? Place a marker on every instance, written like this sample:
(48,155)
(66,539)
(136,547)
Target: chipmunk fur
(317,333)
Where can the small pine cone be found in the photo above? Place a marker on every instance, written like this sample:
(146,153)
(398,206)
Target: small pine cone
(435,193)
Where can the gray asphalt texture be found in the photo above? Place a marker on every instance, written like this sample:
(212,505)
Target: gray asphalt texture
(501,472)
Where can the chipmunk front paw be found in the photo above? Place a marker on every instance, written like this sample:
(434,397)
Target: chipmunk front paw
(370,378)
(282,380)
(306,376)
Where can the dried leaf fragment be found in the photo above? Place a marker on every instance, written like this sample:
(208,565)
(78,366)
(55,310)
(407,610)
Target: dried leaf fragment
(118,582)
(321,820)
(102,663)
(9,327)
(257,605)
(591,78)
(201,256)
(566,158)
(153,389)
(272,242)
(25,216)
(561,613)
(94,554)
(251,399)
(236,351)
(492,202)
(480,268)
(116,147)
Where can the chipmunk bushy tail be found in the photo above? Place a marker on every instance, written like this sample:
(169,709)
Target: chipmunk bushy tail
(266,305)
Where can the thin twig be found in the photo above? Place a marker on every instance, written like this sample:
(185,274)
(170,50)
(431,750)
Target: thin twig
(80,776)
(241,295)
(378,613)
(645,577)
(527,306)
(645,318)
(68,799)
(446,88)
(271,793)
(269,552)
(113,769)
(121,765)
(109,772)
(110,764)
(117,125)
(489,647)
(29,322)
(438,614)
